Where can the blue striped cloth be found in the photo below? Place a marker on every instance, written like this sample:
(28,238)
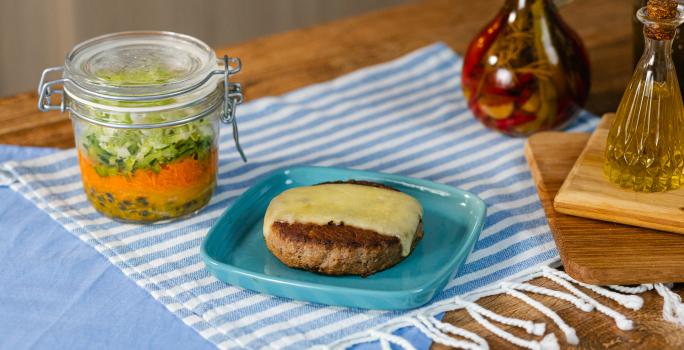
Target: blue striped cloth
(407,116)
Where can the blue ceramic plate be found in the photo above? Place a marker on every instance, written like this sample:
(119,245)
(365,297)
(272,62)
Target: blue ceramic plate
(235,252)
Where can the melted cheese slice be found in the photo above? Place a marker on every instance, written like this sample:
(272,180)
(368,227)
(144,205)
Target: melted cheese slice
(384,211)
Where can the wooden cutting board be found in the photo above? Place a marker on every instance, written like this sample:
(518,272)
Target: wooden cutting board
(593,251)
(586,192)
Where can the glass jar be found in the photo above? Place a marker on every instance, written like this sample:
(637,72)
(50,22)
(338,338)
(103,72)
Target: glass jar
(526,70)
(145,107)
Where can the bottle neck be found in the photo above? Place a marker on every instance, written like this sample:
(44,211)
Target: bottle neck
(657,57)
(526,4)
(656,47)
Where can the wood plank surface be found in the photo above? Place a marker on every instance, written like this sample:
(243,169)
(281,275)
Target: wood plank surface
(596,331)
(587,193)
(593,251)
(283,62)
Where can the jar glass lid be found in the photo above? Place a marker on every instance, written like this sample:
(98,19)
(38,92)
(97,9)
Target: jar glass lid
(139,63)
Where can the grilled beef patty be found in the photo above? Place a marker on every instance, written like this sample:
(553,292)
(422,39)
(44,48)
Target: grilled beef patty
(337,249)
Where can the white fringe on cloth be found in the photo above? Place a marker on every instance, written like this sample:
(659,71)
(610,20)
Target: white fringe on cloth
(441,332)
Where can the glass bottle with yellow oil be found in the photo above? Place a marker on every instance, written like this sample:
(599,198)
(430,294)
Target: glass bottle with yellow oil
(645,147)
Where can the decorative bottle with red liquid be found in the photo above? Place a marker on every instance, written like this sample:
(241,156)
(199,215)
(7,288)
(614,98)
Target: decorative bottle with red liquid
(526,71)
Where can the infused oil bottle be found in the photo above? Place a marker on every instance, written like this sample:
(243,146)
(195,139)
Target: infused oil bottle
(645,146)
(526,71)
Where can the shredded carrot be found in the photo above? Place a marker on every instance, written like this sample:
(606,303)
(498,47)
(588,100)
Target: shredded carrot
(186,180)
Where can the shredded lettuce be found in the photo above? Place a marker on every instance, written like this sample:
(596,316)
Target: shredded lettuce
(153,74)
(123,151)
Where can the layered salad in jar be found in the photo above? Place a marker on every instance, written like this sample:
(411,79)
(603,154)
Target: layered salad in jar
(147,174)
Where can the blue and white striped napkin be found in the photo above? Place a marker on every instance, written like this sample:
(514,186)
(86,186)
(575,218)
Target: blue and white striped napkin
(407,116)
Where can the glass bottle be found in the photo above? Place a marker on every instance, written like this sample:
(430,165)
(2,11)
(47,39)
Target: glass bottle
(677,45)
(646,138)
(526,70)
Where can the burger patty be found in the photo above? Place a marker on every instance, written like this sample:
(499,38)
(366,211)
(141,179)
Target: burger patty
(337,249)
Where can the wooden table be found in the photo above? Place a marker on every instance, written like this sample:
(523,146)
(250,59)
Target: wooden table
(283,62)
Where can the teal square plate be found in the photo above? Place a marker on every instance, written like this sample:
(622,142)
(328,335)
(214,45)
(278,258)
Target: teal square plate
(235,252)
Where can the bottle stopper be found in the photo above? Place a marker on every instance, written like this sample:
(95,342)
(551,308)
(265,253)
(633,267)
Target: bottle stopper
(661,10)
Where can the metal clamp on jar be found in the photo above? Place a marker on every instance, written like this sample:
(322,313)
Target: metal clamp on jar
(146,108)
